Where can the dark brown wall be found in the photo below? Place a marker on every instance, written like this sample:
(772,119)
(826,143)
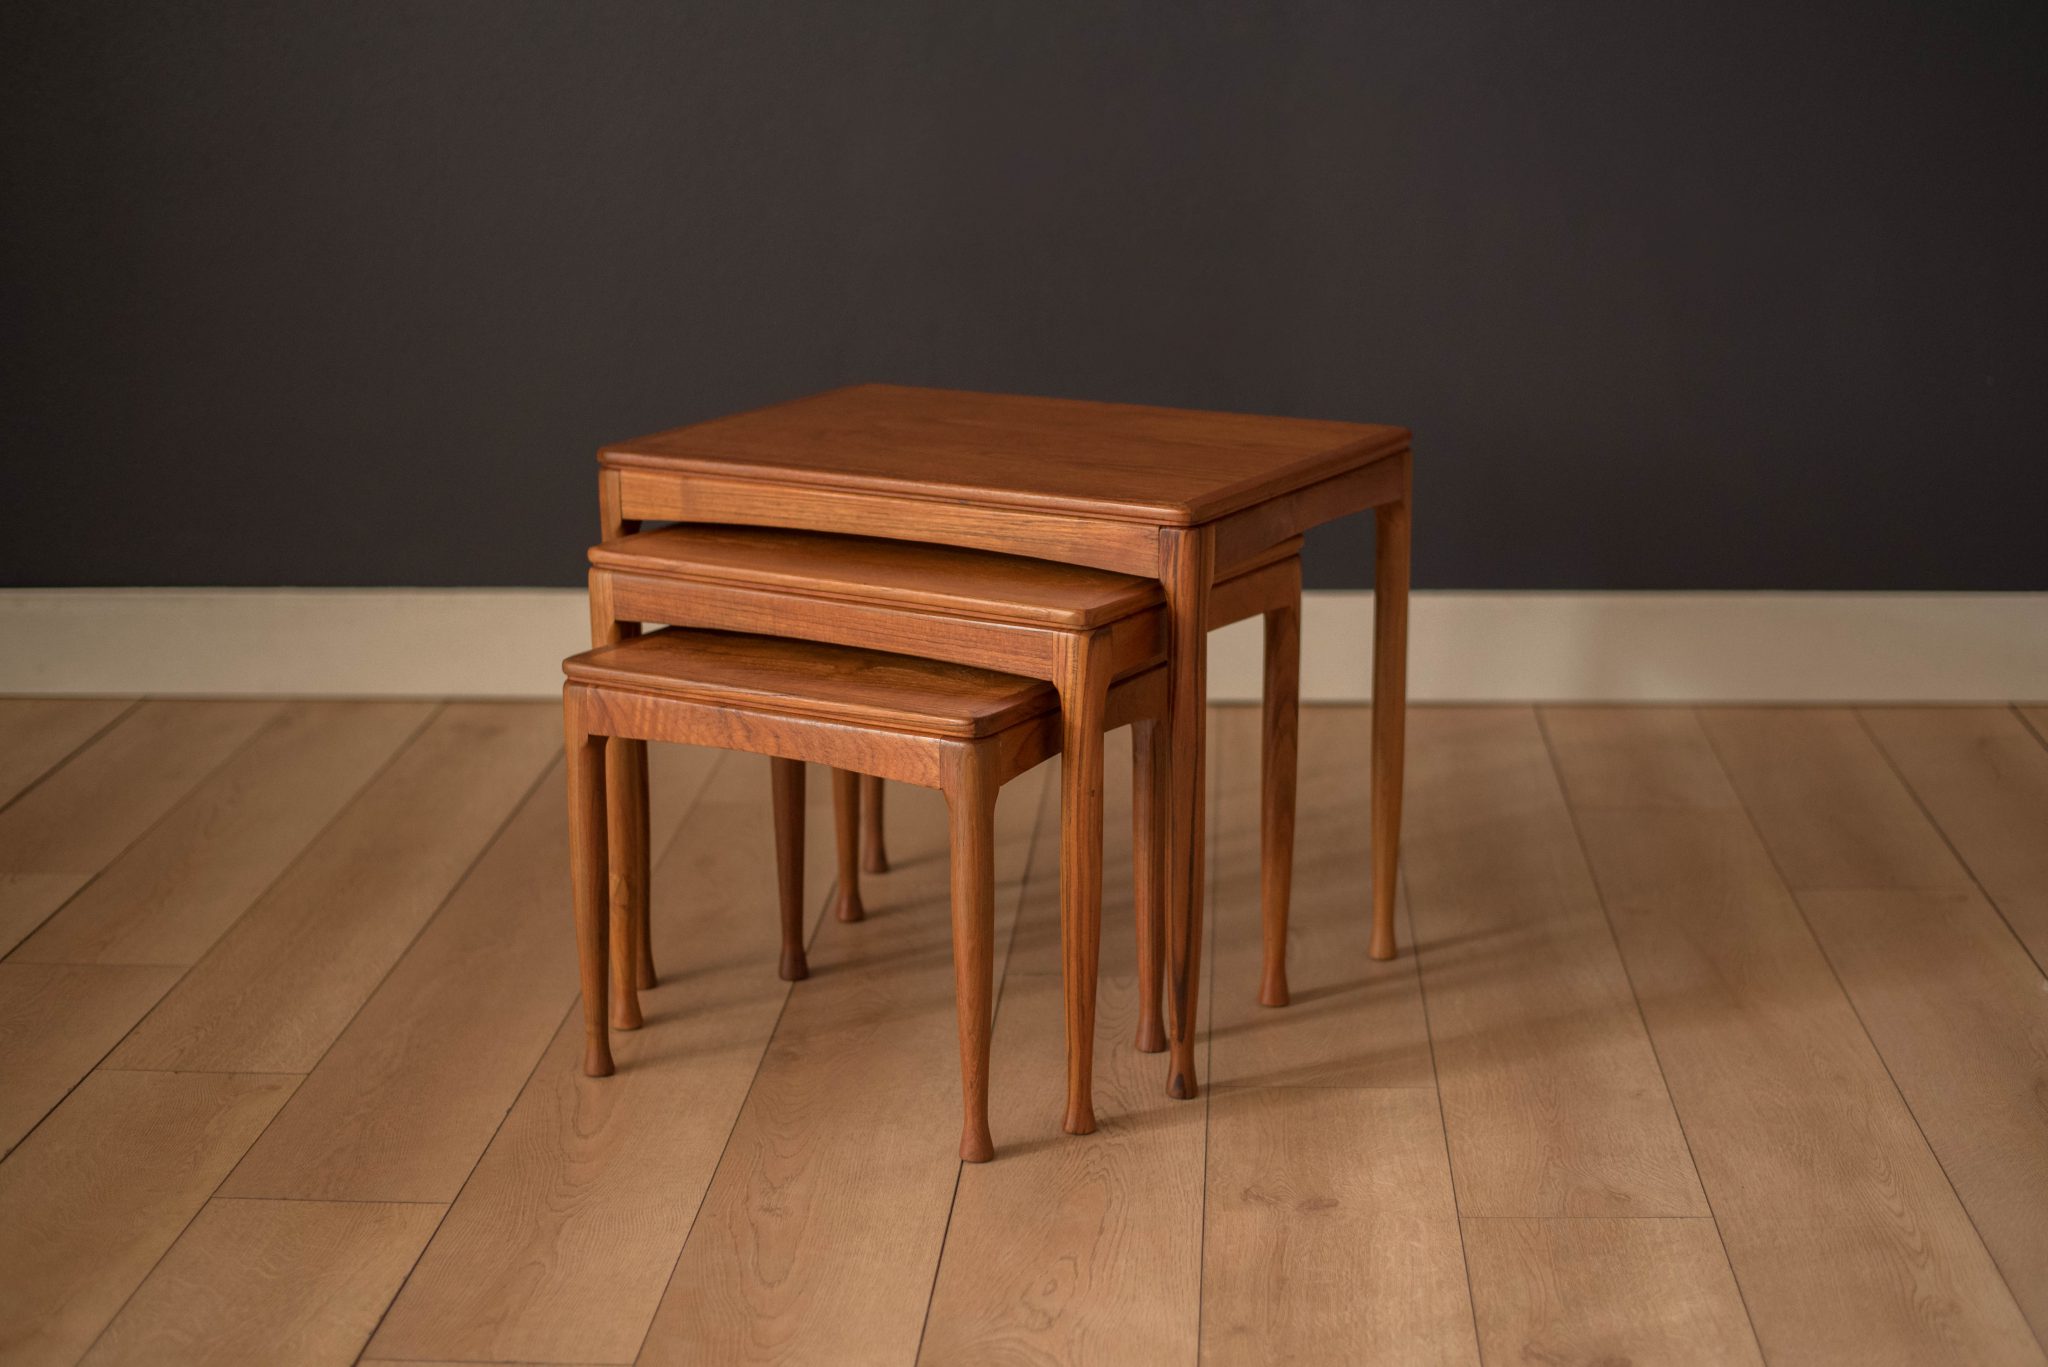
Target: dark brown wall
(1674,294)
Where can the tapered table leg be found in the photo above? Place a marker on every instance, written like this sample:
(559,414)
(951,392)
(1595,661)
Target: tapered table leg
(1389,714)
(1187,565)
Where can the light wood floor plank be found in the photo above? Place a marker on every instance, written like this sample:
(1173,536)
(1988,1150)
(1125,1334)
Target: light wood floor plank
(561,1242)
(401,1107)
(1956,1007)
(1984,777)
(1638,758)
(1352,1021)
(1552,1097)
(95,1195)
(56,1022)
(1960,1013)
(169,896)
(72,824)
(1830,808)
(1075,1248)
(1332,1235)
(1651,1293)
(278,988)
(820,1235)
(1841,1228)
(299,1282)
(37,734)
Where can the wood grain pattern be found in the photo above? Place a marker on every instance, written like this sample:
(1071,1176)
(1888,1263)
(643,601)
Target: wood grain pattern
(56,1022)
(403,1105)
(1070,538)
(270,1281)
(1552,1097)
(38,734)
(1354,1021)
(1842,1229)
(1845,1234)
(562,1240)
(95,1195)
(1641,758)
(1164,465)
(67,828)
(1983,776)
(950,580)
(1960,1014)
(1074,1249)
(836,683)
(1828,805)
(172,893)
(285,980)
(1331,1234)
(773,1270)
(29,899)
(1606,1291)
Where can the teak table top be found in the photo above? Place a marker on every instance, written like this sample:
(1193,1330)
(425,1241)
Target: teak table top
(1167,466)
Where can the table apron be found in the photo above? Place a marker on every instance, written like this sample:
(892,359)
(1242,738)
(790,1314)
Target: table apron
(1100,543)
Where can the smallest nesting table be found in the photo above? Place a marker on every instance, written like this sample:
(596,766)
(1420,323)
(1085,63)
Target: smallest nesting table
(961,730)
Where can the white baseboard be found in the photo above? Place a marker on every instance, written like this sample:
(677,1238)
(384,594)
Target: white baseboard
(1466,647)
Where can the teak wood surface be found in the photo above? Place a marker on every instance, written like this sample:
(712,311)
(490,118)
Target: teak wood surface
(961,730)
(1164,494)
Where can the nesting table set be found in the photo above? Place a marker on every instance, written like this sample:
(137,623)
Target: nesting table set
(945,588)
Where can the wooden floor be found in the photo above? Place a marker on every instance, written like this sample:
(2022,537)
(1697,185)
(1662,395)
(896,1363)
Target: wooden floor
(1718,1036)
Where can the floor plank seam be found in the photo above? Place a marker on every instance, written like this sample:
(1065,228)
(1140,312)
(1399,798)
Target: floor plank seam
(1642,1019)
(289,864)
(139,836)
(823,914)
(1833,971)
(483,849)
(1212,800)
(2028,722)
(74,752)
(1443,1122)
(696,796)
(1935,822)
(333,1200)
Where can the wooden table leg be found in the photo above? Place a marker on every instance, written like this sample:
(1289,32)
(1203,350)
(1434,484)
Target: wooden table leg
(1081,670)
(626,831)
(1389,712)
(786,789)
(588,886)
(874,840)
(1148,875)
(971,834)
(846,905)
(1279,748)
(1187,563)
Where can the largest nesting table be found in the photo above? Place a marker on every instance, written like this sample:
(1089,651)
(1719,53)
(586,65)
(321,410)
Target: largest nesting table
(1180,495)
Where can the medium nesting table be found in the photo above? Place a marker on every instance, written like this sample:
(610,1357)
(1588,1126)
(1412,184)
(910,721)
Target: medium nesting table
(1179,495)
